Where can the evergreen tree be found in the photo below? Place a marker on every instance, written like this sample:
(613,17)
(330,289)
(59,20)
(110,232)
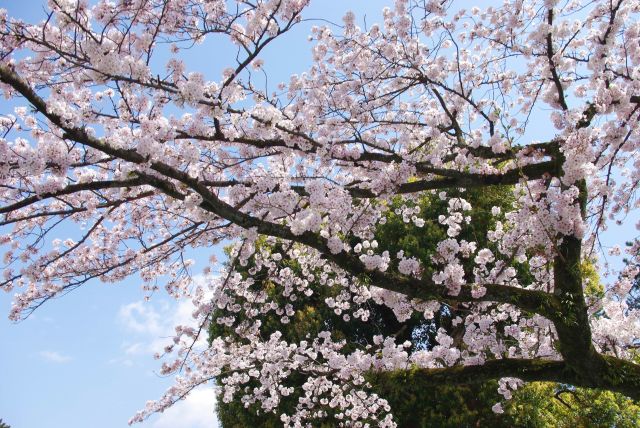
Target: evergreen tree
(414,404)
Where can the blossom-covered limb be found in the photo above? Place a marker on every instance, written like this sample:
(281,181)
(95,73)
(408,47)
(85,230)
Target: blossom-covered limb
(534,370)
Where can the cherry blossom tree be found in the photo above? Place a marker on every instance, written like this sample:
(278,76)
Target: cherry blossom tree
(151,160)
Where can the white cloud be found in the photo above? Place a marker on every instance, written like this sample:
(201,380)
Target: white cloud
(196,411)
(140,317)
(126,362)
(151,324)
(149,327)
(55,357)
(135,348)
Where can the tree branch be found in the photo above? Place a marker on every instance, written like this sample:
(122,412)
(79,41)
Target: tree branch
(424,289)
(617,375)
(70,189)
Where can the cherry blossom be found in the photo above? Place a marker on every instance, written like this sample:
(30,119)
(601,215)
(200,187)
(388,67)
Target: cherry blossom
(110,132)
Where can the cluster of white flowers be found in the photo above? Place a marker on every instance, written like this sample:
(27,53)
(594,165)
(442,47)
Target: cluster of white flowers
(148,164)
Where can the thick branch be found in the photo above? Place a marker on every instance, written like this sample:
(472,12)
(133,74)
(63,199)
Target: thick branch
(455,179)
(527,370)
(614,374)
(552,65)
(424,289)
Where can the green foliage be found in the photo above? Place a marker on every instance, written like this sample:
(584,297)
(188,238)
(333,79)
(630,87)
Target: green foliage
(235,415)
(535,405)
(3,425)
(313,315)
(396,235)
(594,288)
(446,406)
(421,243)
(544,404)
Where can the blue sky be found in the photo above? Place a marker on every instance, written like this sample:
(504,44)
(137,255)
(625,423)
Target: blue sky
(85,360)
